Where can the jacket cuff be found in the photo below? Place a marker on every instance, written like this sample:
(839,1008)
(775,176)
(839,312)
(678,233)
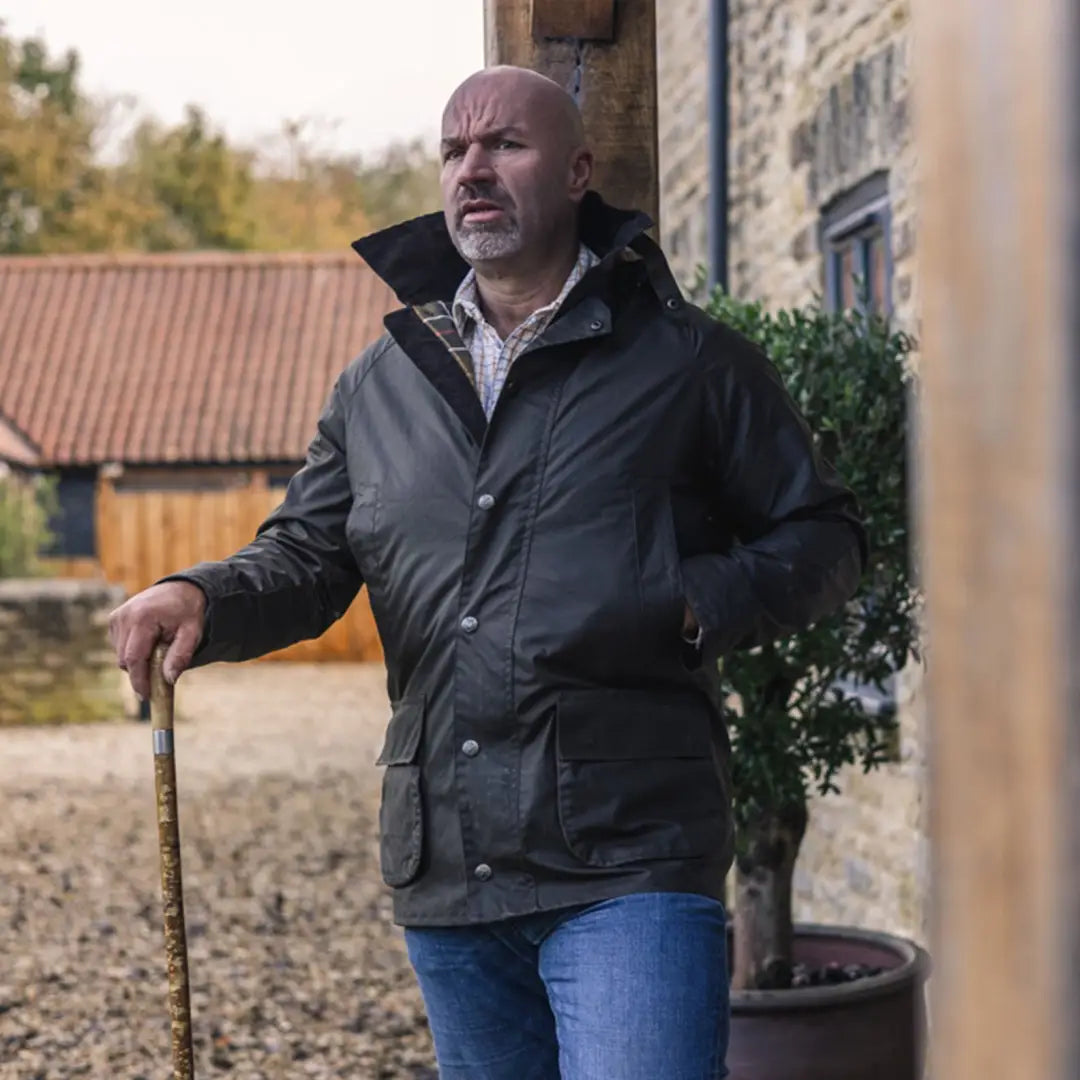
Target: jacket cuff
(205,652)
(719,594)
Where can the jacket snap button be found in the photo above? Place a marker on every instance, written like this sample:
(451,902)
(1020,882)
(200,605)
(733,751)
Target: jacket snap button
(673,303)
(482,872)
(596,326)
(486,502)
(469,624)
(470,748)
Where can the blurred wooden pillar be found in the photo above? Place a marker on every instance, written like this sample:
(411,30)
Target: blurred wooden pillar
(996,105)
(604,53)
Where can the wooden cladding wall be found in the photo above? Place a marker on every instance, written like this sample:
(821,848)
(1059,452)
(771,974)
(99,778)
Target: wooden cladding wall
(153,524)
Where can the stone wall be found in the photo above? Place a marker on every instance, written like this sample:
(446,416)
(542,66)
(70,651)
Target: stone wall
(819,102)
(820,99)
(56,664)
(865,859)
(682,58)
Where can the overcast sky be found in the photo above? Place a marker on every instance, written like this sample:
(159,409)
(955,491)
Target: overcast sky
(382,68)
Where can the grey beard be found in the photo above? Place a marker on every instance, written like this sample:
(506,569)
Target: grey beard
(479,243)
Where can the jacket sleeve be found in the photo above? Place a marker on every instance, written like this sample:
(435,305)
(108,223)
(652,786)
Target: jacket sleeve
(799,547)
(298,575)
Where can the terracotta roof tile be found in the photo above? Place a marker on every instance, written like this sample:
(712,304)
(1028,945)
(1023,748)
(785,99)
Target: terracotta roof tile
(15,448)
(204,357)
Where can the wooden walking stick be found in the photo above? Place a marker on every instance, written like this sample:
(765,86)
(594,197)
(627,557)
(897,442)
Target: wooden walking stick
(161,723)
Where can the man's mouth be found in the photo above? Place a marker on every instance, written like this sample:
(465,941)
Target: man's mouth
(480,212)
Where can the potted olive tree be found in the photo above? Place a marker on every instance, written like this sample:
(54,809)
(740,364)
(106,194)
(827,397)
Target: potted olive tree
(813,1001)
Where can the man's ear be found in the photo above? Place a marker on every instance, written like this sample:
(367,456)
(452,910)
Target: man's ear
(581,168)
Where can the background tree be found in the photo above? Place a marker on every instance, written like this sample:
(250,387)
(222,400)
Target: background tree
(199,188)
(400,183)
(47,170)
(27,503)
(178,187)
(306,198)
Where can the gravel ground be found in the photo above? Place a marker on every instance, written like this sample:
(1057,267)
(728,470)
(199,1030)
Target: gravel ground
(296,968)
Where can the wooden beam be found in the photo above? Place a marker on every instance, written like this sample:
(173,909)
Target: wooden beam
(999,530)
(586,20)
(614,83)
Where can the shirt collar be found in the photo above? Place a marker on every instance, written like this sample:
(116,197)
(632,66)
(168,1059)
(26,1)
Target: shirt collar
(466,306)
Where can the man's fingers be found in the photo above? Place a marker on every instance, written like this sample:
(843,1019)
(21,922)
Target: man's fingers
(182,649)
(136,657)
(118,634)
(139,674)
(120,647)
(171,612)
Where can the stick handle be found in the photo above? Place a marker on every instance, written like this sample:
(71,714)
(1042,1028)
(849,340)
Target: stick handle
(172,892)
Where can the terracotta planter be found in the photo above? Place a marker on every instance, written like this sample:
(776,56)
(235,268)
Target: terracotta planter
(871,1029)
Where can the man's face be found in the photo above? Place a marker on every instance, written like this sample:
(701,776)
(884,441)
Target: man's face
(506,174)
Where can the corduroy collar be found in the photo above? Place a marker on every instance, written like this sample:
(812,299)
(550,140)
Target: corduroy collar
(418,260)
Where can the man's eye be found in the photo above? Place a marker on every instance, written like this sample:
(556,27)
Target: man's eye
(451,155)
(507,144)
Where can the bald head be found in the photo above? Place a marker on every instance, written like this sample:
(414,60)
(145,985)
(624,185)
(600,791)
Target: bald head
(515,166)
(543,99)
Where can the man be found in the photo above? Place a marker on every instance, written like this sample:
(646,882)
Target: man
(568,492)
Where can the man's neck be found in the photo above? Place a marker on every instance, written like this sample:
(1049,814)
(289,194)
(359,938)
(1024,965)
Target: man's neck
(509,295)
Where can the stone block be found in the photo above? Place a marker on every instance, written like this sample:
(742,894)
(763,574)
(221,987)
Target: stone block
(805,245)
(62,668)
(29,674)
(99,658)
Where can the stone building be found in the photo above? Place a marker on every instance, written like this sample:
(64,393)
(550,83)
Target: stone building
(820,187)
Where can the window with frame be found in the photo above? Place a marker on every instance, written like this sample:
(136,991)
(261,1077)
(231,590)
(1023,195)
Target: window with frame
(856,244)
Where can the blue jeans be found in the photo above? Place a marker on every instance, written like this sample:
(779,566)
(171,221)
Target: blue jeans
(630,989)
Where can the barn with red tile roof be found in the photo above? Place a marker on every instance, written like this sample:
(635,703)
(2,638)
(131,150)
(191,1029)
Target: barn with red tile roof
(173,395)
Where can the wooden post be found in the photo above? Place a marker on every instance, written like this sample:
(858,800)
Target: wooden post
(604,53)
(999,530)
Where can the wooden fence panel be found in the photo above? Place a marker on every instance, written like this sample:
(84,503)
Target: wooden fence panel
(146,533)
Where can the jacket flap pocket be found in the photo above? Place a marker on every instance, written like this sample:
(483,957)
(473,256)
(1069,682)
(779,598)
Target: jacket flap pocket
(625,725)
(403,733)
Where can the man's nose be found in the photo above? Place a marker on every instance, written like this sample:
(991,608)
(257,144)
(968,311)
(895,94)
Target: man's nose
(475,165)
